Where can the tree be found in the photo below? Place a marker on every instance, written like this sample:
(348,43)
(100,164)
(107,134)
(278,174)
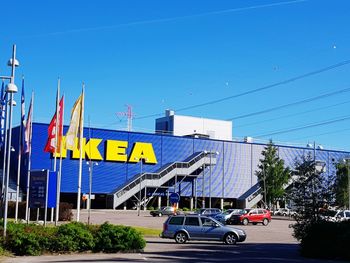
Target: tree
(272,175)
(311,192)
(342,185)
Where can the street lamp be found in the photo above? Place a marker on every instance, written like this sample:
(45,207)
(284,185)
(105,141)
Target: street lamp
(216,153)
(91,165)
(11,88)
(140,181)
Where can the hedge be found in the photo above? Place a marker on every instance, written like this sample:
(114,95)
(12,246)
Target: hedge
(33,239)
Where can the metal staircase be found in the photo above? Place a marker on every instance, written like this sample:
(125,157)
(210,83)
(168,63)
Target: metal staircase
(161,177)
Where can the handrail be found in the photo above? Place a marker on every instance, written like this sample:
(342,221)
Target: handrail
(140,177)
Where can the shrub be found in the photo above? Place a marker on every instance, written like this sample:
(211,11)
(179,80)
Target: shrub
(150,208)
(111,238)
(65,213)
(24,239)
(73,237)
(326,240)
(185,209)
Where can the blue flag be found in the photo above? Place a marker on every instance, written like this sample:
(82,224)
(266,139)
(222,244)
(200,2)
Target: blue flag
(2,115)
(24,145)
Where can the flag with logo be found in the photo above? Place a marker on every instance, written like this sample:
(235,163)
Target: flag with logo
(28,127)
(52,145)
(2,114)
(76,122)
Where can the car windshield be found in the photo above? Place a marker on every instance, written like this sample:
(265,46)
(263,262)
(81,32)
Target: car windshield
(227,212)
(219,223)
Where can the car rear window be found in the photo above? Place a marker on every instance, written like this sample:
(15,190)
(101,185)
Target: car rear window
(176,220)
(192,221)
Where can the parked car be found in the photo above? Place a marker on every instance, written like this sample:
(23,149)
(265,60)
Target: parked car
(284,212)
(164,210)
(211,212)
(196,227)
(225,216)
(235,218)
(257,215)
(337,216)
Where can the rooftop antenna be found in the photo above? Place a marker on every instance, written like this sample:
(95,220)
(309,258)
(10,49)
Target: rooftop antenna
(129,114)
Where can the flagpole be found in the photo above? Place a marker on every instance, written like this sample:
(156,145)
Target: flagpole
(81,127)
(56,135)
(20,148)
(29,159)
(59,172)
(5,155)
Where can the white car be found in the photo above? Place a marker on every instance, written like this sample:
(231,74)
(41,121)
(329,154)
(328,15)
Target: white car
(339,216)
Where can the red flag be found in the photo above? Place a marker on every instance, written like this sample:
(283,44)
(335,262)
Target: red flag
(51,144)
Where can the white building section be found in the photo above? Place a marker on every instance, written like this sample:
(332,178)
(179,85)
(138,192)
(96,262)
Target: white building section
(179,125)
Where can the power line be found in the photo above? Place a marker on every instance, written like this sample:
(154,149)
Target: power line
(283,82)
(321,134)
(326,95)
(303,127)
(292,115)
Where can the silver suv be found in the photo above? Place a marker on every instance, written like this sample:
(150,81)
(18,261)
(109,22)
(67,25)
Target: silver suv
(196,227)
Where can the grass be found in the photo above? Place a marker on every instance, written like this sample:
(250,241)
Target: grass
(148,232)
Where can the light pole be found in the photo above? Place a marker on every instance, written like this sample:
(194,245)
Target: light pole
(140,181)
(11,88)
(91,165)
(211,153)
(264,176)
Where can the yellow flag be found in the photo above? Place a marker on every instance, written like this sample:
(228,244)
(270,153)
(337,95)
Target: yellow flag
(75,122)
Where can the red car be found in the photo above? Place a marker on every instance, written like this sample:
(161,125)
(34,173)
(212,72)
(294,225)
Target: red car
(256,216)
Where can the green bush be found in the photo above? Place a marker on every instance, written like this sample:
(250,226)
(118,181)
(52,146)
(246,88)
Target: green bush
(150,208)
(111,238)
(73,237)
(33,239)
(24,239)
(185,209)
(327,240)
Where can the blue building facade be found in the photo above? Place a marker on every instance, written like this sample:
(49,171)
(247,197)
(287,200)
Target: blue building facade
(231,176)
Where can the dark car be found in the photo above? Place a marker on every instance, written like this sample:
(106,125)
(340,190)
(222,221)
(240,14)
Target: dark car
(164,210)
(197,227)
(235,219)
(211,212)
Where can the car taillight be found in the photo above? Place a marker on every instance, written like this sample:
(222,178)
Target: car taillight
(165,227)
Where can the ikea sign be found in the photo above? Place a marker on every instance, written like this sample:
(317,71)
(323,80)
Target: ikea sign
(115,151)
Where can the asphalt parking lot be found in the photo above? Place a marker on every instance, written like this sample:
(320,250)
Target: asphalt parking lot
(272,243)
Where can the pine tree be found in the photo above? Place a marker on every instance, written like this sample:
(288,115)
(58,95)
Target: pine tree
(272,175)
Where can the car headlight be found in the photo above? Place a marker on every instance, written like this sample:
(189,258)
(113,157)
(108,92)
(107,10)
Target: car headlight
(241,232)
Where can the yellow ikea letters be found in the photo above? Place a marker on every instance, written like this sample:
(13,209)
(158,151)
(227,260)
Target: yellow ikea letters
(115,151)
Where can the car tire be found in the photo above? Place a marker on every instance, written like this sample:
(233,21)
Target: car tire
(160,214)
(230,239)
(180,237)
(245,221)
(265,222)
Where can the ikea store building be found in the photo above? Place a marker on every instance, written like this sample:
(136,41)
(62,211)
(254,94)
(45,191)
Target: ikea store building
(203,166)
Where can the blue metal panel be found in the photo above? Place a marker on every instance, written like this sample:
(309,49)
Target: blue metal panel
(213,180)
(237,169)
(233,174)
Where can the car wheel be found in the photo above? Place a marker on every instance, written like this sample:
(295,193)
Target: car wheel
(230,239)
(265,222)
(245,221)
(180,238)
(160,214)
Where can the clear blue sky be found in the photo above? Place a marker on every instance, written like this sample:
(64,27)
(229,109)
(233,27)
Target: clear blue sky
(156,55)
